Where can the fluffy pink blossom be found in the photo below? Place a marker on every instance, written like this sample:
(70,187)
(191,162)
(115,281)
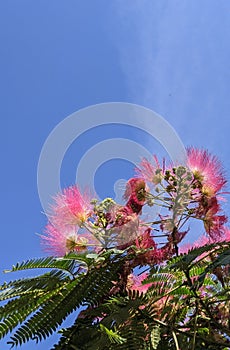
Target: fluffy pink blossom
(214,224)
(209,210)
(152,172)
(155,255)
(58,242)
(121,215)
(125,225)
(160,255)
(145,241)
(207,169)
(71,208)
(135,194)
(135,282)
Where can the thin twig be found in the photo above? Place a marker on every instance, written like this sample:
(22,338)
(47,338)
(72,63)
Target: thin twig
(175,340)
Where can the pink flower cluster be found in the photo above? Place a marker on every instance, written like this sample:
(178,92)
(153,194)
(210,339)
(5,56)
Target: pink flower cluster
(207,169)
(208,182)
(198,192)
(76,223)
(71,209)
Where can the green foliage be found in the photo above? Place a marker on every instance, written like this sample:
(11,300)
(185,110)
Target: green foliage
(186,305)
(48,299)
(155,336)
(124,323)
(49,262)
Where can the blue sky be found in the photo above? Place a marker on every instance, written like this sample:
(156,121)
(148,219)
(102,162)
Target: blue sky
(60,56)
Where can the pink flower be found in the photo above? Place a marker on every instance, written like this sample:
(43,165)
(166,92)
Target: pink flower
(209,211)
(160,255)
(70,208)
(58,242)
(145,241)
(121,215)
(151,172)
(155,255)
(125,226)
(54,241)
(207,169)
(213,224)
(135,193)
(135,282)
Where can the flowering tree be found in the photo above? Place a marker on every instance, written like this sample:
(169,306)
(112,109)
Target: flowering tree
(131,281)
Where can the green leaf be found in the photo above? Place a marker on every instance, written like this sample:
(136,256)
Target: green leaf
(114,337)
(155,336)
(223,259)
(48,262)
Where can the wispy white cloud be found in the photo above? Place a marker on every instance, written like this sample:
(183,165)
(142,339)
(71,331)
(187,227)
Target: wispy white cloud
(174,56)
(153,33)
